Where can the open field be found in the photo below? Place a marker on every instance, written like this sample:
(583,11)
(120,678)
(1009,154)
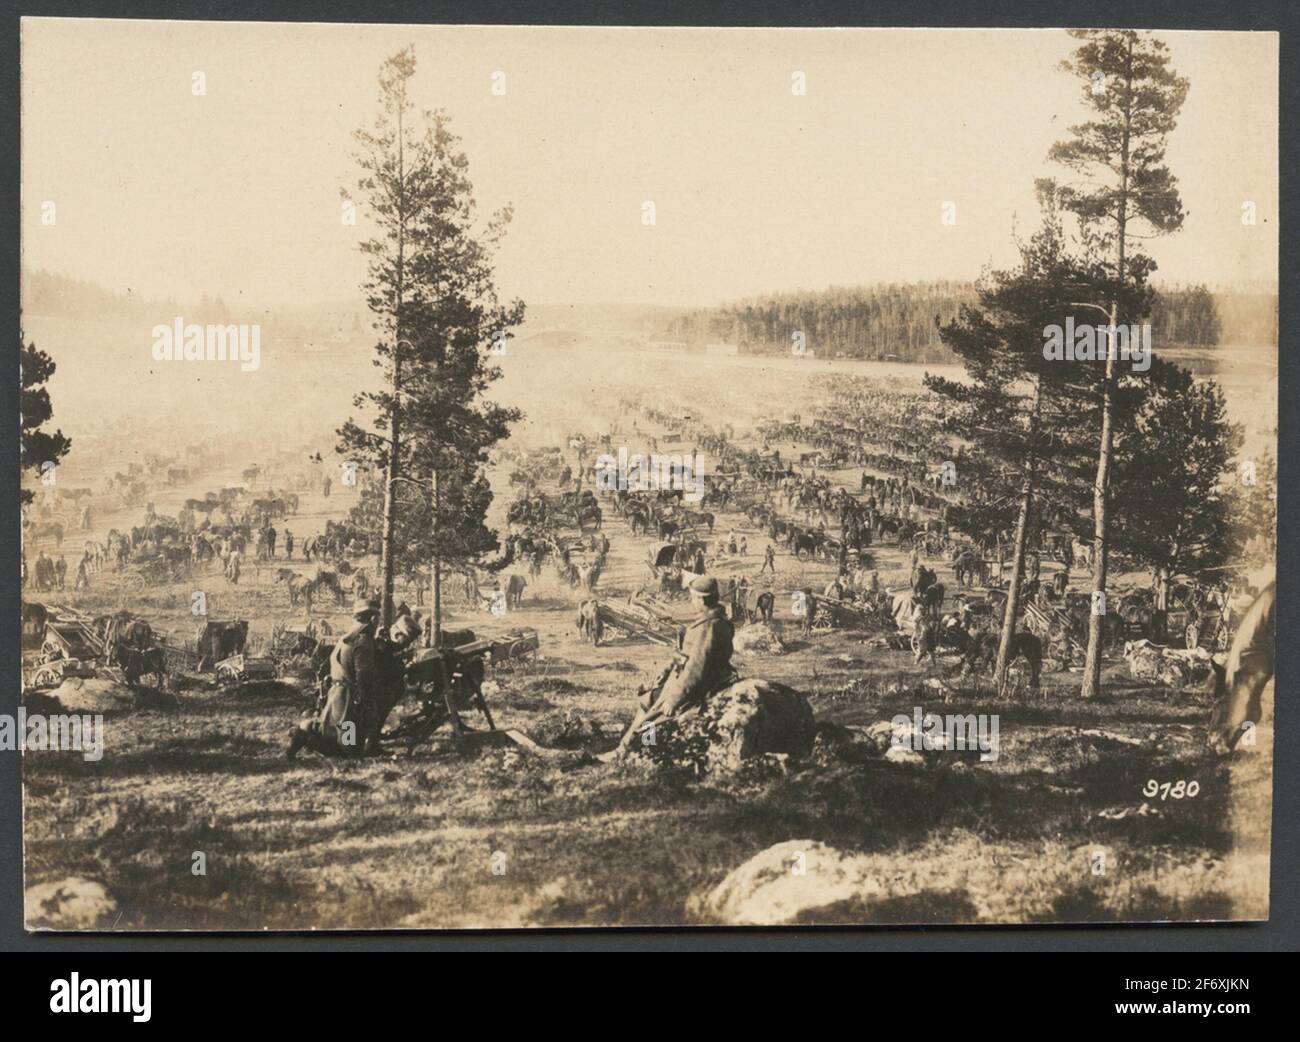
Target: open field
(498,838)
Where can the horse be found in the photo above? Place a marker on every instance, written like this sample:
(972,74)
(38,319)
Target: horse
(590,626)
(136,664)
(982,651)
(1239,682)
(328,581)
(515,586)
(967,568)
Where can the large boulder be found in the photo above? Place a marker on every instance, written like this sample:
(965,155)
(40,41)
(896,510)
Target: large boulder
(69,904)
(741,723)
(788,883)
(1172,667)
(98,695)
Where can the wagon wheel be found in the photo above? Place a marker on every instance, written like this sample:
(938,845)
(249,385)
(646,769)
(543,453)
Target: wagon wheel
(46,675)
(230,673)
(916,643)
(1192,636)
(1221,638)
(803,553)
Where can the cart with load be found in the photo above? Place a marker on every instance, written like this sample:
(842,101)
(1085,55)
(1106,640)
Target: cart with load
(639,618)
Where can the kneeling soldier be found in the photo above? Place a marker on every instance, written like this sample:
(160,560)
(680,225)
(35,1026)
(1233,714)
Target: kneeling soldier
(339,729)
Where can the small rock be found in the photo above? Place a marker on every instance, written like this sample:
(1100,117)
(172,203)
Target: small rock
(786,882)
(70,904)
(759,637)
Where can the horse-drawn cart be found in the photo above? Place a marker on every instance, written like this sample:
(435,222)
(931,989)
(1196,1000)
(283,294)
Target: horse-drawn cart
(70,649)
(1061,633)
(517,646)
(118,647)
(634,617)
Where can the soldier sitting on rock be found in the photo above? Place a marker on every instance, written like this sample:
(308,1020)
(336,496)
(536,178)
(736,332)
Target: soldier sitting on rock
(701,667)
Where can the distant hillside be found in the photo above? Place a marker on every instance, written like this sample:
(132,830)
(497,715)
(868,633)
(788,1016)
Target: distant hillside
(902,320)
(51,295)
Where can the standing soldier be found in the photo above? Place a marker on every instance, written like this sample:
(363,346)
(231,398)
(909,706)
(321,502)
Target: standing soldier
(60,571)
(769,559)
(1061,582)
(809,611)
(325,486)
(288,544)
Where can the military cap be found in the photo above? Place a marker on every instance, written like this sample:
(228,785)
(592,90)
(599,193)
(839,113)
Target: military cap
(404,629)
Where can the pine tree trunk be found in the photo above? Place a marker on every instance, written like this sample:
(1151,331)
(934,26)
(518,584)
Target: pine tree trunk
(386,549)
(1101,488)
(1100,501)
(436,571)
(1012,610)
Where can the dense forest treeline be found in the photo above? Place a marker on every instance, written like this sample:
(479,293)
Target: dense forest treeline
(900,320)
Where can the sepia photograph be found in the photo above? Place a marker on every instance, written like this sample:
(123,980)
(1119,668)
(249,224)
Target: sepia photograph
(498,477)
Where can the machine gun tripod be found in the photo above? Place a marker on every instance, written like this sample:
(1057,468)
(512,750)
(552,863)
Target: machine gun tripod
(449,682)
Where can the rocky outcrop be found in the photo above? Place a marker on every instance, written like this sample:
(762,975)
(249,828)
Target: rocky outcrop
(747,721)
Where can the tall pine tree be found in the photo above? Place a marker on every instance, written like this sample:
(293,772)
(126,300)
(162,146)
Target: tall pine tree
(431,289)
(1123,183)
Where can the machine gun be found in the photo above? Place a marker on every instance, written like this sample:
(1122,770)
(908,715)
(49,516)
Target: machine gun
(448,681)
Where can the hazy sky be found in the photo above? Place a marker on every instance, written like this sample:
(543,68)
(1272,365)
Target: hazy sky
(756,189)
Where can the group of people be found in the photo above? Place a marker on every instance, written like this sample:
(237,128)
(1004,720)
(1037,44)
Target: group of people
(47,573)
(266,542)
